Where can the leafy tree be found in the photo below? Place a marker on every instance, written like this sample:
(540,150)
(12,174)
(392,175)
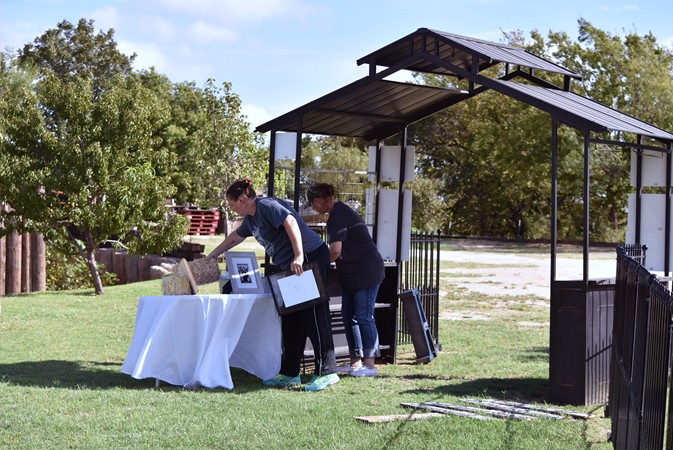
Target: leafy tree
(208,141)
(77,159)
(632,74)
(492,154)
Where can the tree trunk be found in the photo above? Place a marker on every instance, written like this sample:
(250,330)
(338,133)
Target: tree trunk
(90,259)
(89,254)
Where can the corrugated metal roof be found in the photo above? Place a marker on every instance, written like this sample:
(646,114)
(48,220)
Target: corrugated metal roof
(367,108)
(372,108)
(580,111)
(457,51)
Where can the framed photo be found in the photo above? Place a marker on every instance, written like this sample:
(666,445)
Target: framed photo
(244,273)
(293,293)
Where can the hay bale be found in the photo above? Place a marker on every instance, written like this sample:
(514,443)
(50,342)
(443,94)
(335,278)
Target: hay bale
(205,270)
(175,284)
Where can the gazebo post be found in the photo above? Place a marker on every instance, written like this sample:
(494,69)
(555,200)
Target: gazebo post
(554,197)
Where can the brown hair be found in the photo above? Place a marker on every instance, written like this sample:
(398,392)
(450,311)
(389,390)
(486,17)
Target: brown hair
(319,190)
(241,187)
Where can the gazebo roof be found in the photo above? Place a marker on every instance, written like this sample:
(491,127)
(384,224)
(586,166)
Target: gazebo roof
(374,108)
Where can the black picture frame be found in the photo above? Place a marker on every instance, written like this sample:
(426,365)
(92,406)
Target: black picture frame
(281,306)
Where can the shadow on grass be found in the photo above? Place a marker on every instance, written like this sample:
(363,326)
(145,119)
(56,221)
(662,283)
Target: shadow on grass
(523,390)
(96,375)
(526,390)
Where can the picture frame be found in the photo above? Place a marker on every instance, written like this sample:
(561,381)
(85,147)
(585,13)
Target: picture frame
(293,293)
(244,273)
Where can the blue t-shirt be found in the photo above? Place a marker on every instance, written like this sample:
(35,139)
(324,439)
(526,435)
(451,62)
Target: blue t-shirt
(267,227)
(360,265)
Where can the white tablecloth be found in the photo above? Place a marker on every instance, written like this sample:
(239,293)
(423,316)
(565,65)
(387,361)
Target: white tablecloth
(193,340)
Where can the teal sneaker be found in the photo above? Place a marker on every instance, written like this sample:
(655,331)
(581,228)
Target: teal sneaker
(321,382)
(281,380)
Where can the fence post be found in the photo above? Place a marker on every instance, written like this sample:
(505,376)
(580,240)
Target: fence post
(3,264)
(13,264)
(25,262)
(38,263)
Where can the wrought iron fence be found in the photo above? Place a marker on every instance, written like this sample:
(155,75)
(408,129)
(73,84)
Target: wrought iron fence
(422,272)
(641,358)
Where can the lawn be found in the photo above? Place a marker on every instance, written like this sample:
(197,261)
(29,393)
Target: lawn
(61,386)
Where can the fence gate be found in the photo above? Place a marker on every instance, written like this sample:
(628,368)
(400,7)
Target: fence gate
(641,362)
(422,272)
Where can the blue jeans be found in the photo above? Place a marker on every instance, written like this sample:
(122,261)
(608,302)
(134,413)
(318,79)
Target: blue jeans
(357,311)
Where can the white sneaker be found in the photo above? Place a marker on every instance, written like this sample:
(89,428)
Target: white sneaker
(346,368)
(363,371)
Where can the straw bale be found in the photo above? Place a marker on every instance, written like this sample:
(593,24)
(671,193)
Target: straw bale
(175,284)
(205,270)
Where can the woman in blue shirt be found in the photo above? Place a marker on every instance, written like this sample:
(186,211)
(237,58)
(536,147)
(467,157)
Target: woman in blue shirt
(290,242)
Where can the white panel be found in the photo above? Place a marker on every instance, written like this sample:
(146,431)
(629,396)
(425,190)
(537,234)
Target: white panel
(286,146)
(654,168)
(653,218)
(390,163)
(653,213)
(654,260)
(631,221)
(386,227)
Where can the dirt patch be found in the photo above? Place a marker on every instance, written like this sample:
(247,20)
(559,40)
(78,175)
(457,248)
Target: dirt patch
(507,273)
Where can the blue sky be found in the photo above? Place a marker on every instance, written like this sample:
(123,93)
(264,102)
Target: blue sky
(281,54)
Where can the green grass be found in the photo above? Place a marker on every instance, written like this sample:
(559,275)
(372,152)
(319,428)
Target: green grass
(61,386)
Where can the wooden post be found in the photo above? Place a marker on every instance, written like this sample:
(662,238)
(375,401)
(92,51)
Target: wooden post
(119,265)
(144,267)
(25,263)
(13,264)
(3,259)
(38,263)
(131,268)
(104,256)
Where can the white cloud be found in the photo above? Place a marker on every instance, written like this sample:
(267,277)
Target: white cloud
(105,18)
(256,114)
(205,33)
(148,55)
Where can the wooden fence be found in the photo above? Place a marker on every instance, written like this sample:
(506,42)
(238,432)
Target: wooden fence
(22,263)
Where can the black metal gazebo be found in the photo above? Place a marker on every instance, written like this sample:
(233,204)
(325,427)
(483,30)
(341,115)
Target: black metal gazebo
(376,109)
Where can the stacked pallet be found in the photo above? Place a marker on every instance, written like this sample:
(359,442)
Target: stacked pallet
(203,222)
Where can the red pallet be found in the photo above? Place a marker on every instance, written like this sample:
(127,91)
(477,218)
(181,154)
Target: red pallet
(202,221)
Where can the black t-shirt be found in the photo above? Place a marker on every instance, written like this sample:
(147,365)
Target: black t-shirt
(360,265)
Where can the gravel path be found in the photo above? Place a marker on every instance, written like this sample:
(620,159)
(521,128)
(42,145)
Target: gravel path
(511,274)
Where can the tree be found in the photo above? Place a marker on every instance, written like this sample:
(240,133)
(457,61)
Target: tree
(208,141)
(78,158)
(492,156)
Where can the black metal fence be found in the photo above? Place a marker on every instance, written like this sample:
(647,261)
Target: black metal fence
(422,272)
(641,359)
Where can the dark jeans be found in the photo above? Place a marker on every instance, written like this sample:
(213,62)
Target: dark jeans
(312,322)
